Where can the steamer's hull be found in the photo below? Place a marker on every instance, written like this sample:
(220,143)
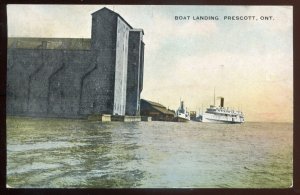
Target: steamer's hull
(214,118)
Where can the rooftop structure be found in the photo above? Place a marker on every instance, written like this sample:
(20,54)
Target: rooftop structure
(157,111)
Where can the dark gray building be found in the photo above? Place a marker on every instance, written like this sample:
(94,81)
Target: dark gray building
(77,77)
(135,71)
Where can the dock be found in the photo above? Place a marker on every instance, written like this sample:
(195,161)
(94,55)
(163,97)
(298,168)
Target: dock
(100,117)
(126,118)
(119,118)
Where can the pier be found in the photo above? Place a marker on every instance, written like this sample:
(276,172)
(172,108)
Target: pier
(120,118)
(100,117)
(126,118)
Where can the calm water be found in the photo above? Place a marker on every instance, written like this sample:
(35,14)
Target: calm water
(56,153)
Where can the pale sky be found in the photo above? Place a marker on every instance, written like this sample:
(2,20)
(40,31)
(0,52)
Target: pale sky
(249,63)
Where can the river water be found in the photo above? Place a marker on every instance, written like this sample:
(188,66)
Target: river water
(65,153)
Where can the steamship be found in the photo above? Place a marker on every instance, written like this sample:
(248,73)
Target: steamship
(182,115)
(220,114)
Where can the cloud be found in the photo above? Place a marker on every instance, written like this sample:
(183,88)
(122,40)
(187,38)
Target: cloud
(171,27)
(49,21)
(243,79)
(282,16)
(164,27)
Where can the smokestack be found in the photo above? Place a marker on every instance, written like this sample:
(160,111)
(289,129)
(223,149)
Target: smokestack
(181,105)
(222,102)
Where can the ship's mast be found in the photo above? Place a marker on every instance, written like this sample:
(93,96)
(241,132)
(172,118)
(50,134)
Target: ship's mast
(214,96)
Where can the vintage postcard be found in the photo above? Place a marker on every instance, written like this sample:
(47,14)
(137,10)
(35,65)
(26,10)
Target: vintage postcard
(149,96)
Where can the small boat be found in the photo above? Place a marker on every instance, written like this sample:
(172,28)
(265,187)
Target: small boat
(182,115)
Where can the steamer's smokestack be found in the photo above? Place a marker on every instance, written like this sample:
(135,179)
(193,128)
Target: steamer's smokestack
(222,102)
